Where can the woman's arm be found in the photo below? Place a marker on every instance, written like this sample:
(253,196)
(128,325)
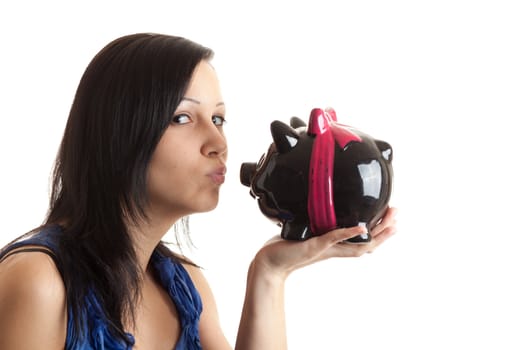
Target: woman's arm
(263,325)
(32,303)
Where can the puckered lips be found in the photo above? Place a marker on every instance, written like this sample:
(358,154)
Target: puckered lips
(218,175)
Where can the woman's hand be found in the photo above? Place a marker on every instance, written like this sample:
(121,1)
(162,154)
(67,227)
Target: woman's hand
(263,323)
(281,257)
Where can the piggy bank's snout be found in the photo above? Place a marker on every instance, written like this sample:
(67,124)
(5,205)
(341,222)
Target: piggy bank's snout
(247,173)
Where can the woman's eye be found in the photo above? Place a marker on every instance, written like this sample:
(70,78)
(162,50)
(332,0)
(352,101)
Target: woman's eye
(218,120)
(181,119)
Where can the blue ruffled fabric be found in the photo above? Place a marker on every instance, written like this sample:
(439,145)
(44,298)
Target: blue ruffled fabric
(96,331)
(174,279)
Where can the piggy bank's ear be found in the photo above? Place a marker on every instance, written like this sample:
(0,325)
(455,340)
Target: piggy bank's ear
(284,137)
(296,122)
(386,149)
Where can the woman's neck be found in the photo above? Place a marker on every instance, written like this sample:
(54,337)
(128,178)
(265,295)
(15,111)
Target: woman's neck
(146,236)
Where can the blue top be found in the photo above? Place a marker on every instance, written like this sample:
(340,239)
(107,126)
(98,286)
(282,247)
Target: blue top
(174,279)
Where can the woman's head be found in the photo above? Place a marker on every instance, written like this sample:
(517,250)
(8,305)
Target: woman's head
(124,103)
(188,165)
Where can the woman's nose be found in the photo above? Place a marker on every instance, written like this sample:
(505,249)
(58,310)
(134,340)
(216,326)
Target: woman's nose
(215,145)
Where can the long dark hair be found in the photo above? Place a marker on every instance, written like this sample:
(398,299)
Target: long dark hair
(123,104)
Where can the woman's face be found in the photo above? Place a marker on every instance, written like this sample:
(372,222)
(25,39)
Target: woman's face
(188,165)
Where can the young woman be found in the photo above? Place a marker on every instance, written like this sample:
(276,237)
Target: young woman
(143,148)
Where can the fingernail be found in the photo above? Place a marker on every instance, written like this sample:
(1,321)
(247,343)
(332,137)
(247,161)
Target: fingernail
(363,226)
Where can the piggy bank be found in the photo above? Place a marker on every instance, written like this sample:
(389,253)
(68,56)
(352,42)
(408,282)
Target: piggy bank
(318,177)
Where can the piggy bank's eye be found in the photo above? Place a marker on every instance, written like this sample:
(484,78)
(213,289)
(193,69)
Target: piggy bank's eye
(261,160)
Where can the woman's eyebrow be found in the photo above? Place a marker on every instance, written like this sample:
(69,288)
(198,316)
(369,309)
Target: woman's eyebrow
(191,100)
(199,102)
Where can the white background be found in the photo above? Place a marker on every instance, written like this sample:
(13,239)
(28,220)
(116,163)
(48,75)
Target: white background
(442,81)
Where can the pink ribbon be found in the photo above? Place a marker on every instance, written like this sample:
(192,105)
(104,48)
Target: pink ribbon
(323,125)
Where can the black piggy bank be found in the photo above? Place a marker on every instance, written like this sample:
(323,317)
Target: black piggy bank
(321,176)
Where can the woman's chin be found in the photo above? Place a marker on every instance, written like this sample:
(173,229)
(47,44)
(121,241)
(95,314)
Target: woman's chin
(206,207)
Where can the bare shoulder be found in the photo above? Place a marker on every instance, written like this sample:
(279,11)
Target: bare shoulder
(212,336)
(191,267)
(197,277)
(31,274)
(32,302)
(195,273)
